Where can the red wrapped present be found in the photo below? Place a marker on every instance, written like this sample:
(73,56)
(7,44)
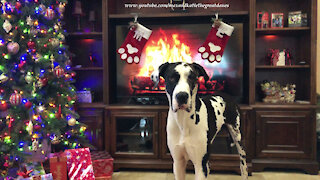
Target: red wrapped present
(58,166)
(102,164)
(79,164)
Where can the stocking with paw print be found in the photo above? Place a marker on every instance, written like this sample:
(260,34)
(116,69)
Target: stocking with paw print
(133,45)
(212,49)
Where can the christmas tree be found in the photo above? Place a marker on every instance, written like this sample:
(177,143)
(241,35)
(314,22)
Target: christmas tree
(36,95)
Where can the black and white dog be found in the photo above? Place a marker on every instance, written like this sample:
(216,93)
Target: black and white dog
(194,122)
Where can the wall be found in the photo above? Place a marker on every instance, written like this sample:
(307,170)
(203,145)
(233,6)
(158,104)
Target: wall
(318,50)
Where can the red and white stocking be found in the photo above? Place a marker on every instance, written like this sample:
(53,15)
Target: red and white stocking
(212,49)
(134,43)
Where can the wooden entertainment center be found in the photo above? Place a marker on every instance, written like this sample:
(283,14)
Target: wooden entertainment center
(275,135)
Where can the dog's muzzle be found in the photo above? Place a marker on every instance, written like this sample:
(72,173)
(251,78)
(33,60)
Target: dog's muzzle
(182,100)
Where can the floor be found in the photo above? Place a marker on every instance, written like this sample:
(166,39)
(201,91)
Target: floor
(131,175)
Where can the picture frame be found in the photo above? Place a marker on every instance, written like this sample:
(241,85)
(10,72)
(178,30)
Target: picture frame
(262,20)
(295,19)
(276,20)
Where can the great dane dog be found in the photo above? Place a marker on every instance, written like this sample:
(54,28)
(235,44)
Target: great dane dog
(194,122)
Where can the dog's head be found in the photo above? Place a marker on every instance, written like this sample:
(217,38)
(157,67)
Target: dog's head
(181,82)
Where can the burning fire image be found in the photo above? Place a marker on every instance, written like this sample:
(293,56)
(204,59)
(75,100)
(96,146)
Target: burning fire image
(164,48)
(167,46)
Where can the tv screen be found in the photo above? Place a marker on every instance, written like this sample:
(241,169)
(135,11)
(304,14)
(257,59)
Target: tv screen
(175,43)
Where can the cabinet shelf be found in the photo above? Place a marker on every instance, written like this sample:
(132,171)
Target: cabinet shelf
(283,105)
(85,34)
(282,67)
(88,69)
(284,30)
(131,134)
(168,15)
(91,105)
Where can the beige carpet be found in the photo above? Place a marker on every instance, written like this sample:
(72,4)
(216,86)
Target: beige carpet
(131,175)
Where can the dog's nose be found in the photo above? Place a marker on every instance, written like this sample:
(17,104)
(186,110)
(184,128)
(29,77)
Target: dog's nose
(182,98)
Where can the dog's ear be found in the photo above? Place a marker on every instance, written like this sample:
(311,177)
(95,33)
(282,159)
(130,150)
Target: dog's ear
(161,71)
(201,72)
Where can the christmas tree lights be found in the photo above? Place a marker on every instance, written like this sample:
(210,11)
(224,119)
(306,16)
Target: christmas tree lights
(36,97)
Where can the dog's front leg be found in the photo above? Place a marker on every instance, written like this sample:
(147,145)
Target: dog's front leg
(199,172)
(179,168)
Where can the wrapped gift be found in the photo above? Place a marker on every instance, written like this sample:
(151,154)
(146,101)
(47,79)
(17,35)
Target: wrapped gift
(38,177)
(79,164)
(58,166)
(102,164)
(35,168)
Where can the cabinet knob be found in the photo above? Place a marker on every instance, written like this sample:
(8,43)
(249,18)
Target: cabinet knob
(156,132)
(258,131)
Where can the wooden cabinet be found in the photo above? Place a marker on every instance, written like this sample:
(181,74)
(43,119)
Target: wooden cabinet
(93,118)
(283,134)
(134,134)
(133,147)
(285,139)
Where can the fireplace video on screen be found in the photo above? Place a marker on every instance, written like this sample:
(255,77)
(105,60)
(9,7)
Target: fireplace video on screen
(178,43)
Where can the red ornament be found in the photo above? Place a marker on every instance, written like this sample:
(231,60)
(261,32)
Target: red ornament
(1,90)
(15,99)
(31,44)
(69,98)
(49,13)
(37,127)
(28,105)
(58,71)
(43,82)
(18,5)
(33,51)
(3,106)
(58,115)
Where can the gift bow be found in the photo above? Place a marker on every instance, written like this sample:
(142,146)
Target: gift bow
(24,174)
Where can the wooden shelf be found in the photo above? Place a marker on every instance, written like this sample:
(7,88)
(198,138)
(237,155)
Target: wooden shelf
(283,105)
(282,67)
(270,31)
(169,15)
(88,69)
(85,34)
(131,134)
(90,105)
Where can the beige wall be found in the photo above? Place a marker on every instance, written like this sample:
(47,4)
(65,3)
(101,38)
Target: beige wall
(318,51)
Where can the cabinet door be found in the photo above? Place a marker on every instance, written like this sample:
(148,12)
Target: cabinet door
(284,134)
(164,150)
(93,118)
(134,134)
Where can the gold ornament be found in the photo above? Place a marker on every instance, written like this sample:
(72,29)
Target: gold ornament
(55,140)
(29,21)
(40,109)
(72,122)
(7,26)
(30,127)
(55,42)
(28,78)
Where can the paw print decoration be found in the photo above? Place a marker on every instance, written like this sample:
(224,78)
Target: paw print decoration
(212,49)
(134,43)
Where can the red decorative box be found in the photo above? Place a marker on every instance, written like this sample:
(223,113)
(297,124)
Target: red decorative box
(58,166)
(102,164)
(79,164)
